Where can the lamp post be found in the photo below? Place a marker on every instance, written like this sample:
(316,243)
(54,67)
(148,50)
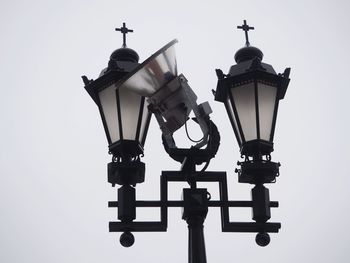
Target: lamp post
(127,93)
(125,118)
(251,92)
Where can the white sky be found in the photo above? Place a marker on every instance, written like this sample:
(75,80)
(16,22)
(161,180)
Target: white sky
(54,190)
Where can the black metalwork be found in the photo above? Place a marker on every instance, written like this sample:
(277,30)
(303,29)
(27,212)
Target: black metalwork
(124,30)
(196,206)
(196,203)
(250,70)
(257,171)
(257,168)
(127,170)
(193,155)
(122,62)
(246,28)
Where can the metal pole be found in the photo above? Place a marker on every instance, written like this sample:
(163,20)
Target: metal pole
(196,244)
(195,212)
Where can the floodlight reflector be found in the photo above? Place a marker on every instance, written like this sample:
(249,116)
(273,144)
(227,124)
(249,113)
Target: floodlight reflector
(153,73)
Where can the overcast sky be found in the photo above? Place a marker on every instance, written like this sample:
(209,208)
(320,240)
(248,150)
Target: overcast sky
(53,150)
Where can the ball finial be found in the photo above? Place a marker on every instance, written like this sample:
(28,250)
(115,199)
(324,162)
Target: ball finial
(127,239)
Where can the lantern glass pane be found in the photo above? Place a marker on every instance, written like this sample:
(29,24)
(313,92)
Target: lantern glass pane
(130,103)
(108,102)
(244,100)
(267,98)
(144,122)
(232,117)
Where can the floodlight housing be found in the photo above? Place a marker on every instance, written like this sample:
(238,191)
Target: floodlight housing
(170,97)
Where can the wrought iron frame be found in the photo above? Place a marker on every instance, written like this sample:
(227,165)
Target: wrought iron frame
(164,204)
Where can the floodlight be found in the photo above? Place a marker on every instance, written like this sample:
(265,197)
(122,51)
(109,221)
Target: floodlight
(170,97)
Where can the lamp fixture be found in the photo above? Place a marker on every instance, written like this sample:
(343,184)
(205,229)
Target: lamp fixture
(128,93)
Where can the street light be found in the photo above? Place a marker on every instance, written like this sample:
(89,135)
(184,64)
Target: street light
(125,118)
(127,93)
(170,97)
(251,92)
(124,113)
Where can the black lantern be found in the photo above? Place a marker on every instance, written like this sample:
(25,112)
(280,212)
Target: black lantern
(124,113)
(251,92)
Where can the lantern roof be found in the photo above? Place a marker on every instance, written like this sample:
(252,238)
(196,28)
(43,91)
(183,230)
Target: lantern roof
(125,54)
(124,58)
(251,65)
(249,58)
(248,53)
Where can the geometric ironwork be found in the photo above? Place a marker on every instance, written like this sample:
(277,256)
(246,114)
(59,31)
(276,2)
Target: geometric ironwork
(164,204)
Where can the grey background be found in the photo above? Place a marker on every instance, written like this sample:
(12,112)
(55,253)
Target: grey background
(53,190)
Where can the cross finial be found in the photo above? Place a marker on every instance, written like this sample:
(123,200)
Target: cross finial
(124,30)
(245,28)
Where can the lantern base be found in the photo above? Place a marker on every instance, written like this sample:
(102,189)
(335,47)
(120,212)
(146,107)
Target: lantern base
(126,148)
(256,147)
(126,173)
(258,172)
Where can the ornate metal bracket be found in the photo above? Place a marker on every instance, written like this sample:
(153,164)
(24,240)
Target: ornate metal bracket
(223,203)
